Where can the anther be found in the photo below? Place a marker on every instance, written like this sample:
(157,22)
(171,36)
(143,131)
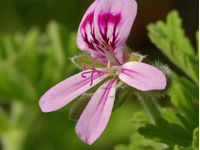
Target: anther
(108,66)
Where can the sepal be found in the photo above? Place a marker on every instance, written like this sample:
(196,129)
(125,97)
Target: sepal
(134,57)
(85,59)
(122,95)
(127,50)
(78,107)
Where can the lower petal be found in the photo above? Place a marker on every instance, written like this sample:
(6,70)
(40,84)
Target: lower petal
(97,113)
(142,76)
(67,90)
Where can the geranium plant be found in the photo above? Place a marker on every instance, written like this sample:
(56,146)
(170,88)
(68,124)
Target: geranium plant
(102,33)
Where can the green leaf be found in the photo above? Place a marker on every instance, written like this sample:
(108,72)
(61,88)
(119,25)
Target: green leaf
(191,88)
(169,148)
(169,115)
(140,117)
(182,98)
(72,48)
(137,142)
(4,121)
(195,142)
(177,118)
(176,33)
(29,55)
(13,138)
(190,127)
(56,47)
(32,63)
(165,132)
(51,71)
(85,59)
(170,39)
(3,52)
(58,37)
(9,48)
(14,84)
(182,148)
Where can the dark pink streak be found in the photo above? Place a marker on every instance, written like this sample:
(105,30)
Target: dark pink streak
(101,106)
(104,21)
(89,20)
(104,97)
(133,72)
(127,72)
(106,93)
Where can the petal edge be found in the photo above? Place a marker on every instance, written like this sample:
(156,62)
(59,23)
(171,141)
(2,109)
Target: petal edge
(67,90)
(142,76)
(96,115)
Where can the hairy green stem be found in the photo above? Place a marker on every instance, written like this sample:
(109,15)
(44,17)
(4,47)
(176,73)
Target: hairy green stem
(149,104)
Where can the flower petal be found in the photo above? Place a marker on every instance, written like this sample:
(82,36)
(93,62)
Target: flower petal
(67,90)
(113,20)
(142,76)
(105,28)
(97,113)
(86,39)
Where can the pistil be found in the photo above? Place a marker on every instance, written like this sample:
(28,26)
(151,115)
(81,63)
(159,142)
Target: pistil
(93,70)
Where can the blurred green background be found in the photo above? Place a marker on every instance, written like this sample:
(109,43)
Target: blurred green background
(36,39)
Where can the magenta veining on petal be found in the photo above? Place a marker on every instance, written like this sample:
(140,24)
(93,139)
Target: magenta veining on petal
(87,29)
(108,23)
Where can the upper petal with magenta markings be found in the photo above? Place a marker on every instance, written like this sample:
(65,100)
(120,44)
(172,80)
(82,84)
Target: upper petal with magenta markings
(105,28)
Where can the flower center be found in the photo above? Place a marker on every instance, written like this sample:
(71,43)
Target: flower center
(112,71)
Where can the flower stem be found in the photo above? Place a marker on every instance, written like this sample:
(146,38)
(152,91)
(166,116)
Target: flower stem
(149,104)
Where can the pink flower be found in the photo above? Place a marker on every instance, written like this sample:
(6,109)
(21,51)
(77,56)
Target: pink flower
(102,33)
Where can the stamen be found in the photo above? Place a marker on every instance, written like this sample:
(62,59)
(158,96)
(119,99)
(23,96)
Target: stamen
(93,70)
(108,66)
